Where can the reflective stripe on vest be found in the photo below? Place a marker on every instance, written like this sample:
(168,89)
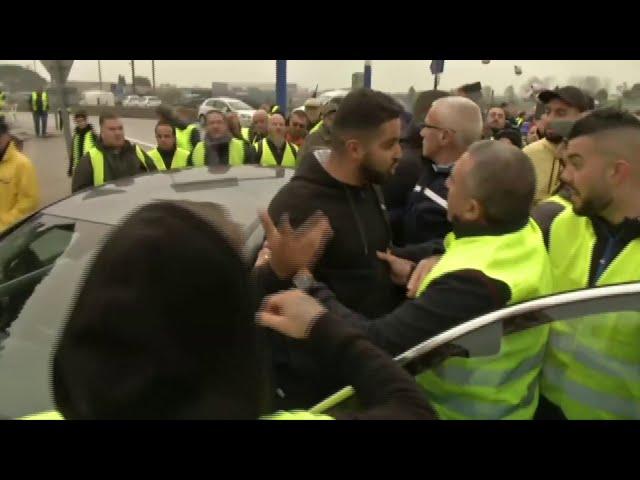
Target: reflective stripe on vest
(97,163)
(317,127)
(236,153)
(45,101)
(282,415)
(179,159)
(296,415)
(505,385)
(87,145)
(592,363)
(267,159)
(183,137)
(50,415)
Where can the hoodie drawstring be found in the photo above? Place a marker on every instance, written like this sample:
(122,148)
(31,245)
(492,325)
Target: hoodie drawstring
(358,221)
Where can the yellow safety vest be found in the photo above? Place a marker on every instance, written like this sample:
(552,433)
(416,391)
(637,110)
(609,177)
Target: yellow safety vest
(505,385)
(317,127)
(293,415)
(183,137)
(79,150)
(97,162)
(267,159)
(45,101)
(179,159)
(560,200)
(236,153)
(592,364)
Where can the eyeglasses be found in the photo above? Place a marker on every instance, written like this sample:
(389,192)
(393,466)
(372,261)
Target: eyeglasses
(426,125)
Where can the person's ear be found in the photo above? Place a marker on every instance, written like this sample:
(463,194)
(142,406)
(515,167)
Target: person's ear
(354,147)
(620,171)
(473,211)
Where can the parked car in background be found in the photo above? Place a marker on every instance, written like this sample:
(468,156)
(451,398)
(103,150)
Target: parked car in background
(151,102)
(132,101)
(226,105)
(97,97)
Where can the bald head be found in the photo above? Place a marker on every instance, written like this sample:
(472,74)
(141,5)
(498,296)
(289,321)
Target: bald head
(501,178)
(260,122)
(462,116)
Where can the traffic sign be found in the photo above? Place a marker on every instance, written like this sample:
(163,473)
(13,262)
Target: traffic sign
(437,67)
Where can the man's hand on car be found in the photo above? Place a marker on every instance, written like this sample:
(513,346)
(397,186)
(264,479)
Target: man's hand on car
(422,270)
(292,250)
(291,313)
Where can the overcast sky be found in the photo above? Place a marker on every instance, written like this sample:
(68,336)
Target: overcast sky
(388,75)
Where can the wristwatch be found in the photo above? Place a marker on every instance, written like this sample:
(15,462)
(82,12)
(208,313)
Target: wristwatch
(303,281)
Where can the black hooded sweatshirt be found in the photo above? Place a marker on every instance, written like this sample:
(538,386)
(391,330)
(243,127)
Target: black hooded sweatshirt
(349,264)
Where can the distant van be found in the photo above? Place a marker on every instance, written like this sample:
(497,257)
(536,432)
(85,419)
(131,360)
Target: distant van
(97,97)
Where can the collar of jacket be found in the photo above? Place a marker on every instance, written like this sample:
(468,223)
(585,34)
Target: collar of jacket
(88,128)
(126,147)
(446,169)
(6,151)
(628,227)
(462,230)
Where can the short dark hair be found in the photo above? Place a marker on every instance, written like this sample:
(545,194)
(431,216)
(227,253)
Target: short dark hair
(108,116)
(603,119)
(363,111)
(301,114)
(4,127)
(503,181)
(80,114)
(512,135)
(165,123)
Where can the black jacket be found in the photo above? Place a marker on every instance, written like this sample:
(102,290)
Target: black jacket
(349,265)
(88,130)
(425,220)
(116,165)
(398,188)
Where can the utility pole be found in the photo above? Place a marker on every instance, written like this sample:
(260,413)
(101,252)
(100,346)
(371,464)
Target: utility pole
(281,85)
(153,75)
(100,74)
(367,74)
(133,77)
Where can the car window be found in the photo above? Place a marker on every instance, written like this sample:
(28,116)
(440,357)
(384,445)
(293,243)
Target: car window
(26,257)
(599,329)
(210,103)
(218,105)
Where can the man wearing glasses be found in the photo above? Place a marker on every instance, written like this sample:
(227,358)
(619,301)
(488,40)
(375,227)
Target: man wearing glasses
(450,127)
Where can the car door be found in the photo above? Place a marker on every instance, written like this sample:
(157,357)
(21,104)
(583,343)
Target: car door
(41,265)
(589,310)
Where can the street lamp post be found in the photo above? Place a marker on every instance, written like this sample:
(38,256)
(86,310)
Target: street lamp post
(100,74)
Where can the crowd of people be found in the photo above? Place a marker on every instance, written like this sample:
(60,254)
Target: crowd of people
(393,229)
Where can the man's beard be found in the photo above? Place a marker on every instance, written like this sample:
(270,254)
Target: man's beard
(371,175)
(592,206)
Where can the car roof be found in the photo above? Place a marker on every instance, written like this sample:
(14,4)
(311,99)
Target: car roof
(111,202)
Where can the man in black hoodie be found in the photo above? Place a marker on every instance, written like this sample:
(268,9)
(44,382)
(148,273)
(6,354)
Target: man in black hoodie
(342,184)
(84,139)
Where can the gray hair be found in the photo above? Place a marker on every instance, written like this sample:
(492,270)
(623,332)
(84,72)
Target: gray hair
(463,116)
(503,180)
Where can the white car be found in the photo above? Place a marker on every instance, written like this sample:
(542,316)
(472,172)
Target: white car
(150,102)
(226,105)
(132,101)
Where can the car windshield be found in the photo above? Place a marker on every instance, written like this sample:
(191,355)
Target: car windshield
(238,105)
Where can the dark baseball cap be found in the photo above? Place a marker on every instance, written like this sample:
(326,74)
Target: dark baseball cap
(571,95)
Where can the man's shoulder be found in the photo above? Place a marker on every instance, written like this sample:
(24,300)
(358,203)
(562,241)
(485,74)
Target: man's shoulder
(538,149)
